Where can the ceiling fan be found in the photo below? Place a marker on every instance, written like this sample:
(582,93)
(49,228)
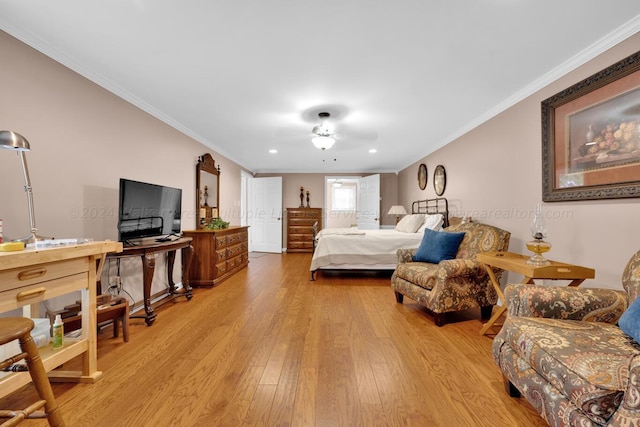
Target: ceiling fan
(323,134)
(328,123)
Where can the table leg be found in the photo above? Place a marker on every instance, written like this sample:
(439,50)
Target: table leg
(171,258)
(497,310)
(187,256)
(148,267)
(576,282)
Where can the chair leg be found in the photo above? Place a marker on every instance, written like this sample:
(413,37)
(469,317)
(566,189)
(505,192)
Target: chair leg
(41,381)
(510,388)
(399,297)
(485,312)
(440,319)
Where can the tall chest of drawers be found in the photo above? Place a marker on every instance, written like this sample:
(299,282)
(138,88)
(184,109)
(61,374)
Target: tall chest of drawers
(300,228)
(217,254)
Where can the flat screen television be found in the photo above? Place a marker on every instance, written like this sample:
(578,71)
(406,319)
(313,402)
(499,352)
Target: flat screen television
(148,210)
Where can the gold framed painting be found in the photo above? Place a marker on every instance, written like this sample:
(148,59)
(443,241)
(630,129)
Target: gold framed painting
(591,137)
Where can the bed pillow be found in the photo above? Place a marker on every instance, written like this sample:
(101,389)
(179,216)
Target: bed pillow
(410,223)
(630,320)
(438,246)
(432,222)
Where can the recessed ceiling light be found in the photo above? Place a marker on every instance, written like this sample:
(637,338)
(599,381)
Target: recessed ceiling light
(373,150)
(273,151)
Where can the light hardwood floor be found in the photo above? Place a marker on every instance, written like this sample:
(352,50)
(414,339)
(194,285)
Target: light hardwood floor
(268,347)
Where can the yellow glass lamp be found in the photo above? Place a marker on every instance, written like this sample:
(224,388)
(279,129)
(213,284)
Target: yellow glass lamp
(538,246)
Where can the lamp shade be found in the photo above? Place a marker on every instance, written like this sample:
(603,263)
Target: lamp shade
(397,210)
(323,142)
(13,141)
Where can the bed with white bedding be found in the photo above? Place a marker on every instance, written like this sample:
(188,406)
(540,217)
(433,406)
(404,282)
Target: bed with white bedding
(354,249)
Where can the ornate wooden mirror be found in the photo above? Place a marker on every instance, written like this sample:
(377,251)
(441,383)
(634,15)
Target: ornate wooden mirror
(207,190)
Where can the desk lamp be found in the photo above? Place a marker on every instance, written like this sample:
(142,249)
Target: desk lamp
(397,210)
(14,141)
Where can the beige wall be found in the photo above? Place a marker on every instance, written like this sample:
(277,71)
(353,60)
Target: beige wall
(83,140)
(494,174)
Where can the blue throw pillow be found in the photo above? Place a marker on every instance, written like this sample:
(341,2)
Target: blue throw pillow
(437,246)
(630,320)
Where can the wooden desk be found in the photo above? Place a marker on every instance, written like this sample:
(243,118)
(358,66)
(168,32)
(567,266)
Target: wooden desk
(518,264)
(147,253)
(34,275)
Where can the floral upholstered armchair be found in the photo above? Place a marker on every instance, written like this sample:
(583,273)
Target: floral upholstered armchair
(456,284)
(561,349)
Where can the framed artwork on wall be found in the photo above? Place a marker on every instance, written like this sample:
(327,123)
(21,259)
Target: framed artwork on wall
(422,176)
(591,137)
(439,180)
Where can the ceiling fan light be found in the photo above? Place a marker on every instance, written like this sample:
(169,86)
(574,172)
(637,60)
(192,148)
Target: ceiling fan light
(323,142)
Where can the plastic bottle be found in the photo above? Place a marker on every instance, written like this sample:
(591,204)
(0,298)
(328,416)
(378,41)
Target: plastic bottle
(58,332)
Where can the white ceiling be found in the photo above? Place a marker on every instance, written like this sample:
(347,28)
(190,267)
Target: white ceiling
(244,76)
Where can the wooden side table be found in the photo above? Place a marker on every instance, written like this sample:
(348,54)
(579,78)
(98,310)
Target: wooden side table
(518,264)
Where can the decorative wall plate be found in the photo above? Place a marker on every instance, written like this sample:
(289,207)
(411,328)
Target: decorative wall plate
(422,176)
(439,180)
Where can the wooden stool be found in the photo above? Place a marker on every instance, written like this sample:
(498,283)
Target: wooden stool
(12,328)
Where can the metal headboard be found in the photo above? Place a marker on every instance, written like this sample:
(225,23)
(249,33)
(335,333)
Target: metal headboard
(432,206)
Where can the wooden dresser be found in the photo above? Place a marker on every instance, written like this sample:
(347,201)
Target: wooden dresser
(300,228)
(217,254)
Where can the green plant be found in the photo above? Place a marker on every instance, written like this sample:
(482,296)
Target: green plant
(217,224)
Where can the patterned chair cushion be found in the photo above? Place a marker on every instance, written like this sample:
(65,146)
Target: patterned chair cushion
(587,361)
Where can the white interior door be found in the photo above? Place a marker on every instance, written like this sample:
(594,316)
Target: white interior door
(369,202)
(266,218)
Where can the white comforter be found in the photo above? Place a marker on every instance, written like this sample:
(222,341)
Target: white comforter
(364,247)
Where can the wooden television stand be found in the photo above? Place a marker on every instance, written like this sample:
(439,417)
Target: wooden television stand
(147,252)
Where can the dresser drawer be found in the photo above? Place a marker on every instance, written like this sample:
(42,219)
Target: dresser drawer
(300,245)
(234,239)
(221,241)
(234,251)
(301,230)
(21,277)
(302,222)
(299,237)
(303,214)
(220,255)
(231,263)
(221,268)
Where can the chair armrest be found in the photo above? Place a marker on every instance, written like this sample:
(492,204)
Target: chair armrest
(461,267)
(593,305)
(405,255)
